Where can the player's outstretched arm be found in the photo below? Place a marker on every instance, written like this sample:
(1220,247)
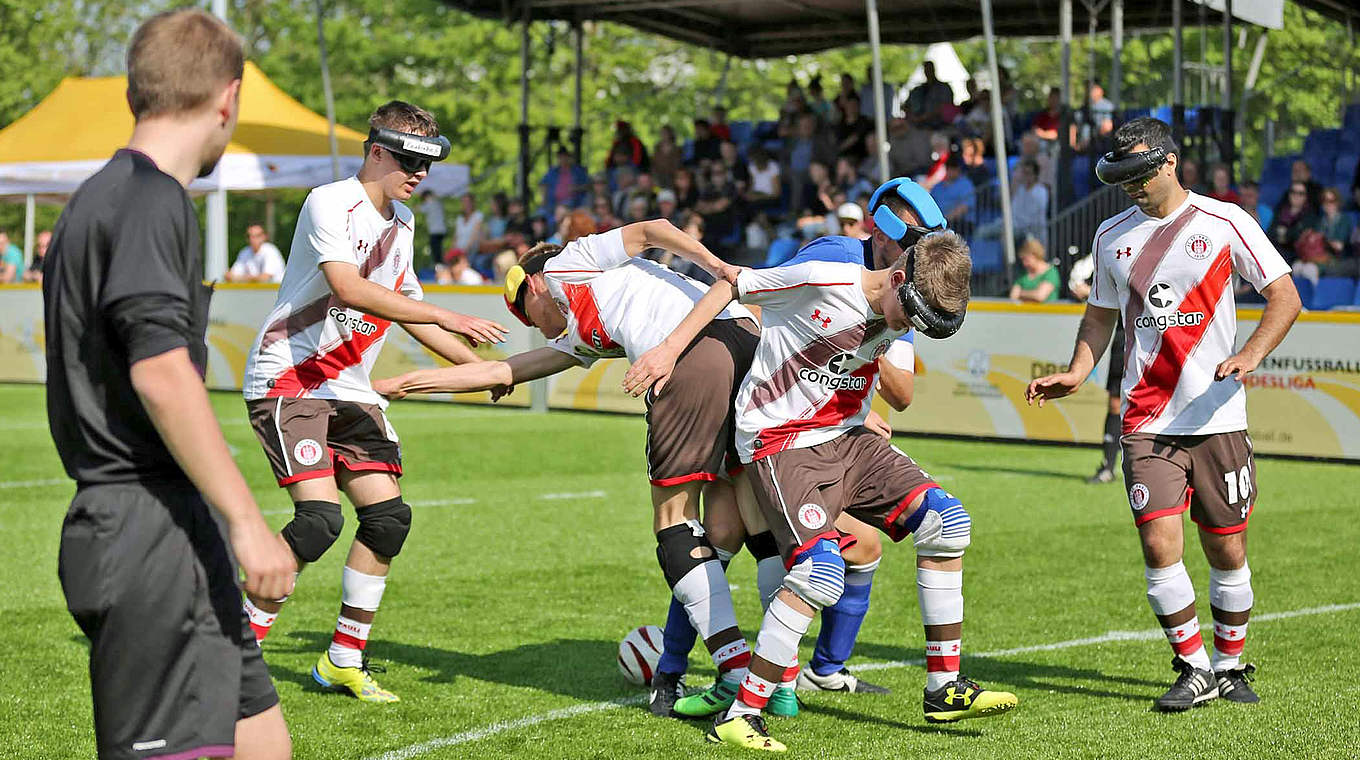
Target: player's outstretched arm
(371,298)
(477,376)
(173,395)
(442,343)
(660,233)
(1282,308)
(895,385)
(1093,337)
(655,366)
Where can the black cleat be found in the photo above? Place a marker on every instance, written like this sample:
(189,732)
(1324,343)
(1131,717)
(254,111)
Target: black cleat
(962,699)
(666,689)
(1235,685)
(1193,688)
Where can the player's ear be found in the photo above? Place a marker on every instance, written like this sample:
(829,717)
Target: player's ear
(897,277)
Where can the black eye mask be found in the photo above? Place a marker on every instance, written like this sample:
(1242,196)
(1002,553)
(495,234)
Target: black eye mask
(929,321)
(413,153)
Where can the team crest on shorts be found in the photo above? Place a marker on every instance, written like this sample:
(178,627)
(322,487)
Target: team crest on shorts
(307,452)
(1138,497)
(1197,247)
(812,516)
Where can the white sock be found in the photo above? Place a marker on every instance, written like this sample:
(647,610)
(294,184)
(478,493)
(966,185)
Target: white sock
(1230,591)
(942,663)
(940,594)
(752,697)
(348,642)
(1169,591)
(707,599)
(1229,640)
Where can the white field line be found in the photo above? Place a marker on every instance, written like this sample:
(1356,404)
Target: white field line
(573,495)
(36,483)
(415,750)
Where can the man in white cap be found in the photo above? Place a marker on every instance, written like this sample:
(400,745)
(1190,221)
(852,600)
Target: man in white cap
(851,217)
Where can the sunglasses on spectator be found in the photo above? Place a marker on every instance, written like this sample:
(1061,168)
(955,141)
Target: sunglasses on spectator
(1298,192)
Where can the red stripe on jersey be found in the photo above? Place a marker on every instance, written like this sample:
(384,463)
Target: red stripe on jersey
(581,302)
(1259,268)
(816,353)
(800,285)
(842,405)
(1154,389)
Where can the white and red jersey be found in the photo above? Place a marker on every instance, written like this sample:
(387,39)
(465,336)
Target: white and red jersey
(1171,279)
(815,369)
(311,346)
(617,305)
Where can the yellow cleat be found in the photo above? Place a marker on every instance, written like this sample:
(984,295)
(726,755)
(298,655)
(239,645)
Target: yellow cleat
(963,699)
(744,731)
(357,681)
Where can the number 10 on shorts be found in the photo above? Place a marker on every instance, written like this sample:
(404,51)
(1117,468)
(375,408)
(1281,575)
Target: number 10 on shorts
(1239,486)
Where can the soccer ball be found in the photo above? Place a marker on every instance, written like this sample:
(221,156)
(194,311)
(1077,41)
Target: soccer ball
(639,652)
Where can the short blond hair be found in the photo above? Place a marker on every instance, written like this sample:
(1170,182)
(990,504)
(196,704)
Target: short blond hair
(1033,247)
(404,117)
(943,271)
(179,60)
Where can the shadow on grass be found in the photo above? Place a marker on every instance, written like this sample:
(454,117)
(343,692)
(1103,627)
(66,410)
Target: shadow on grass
(552,666)
(1002,470)
(860,718)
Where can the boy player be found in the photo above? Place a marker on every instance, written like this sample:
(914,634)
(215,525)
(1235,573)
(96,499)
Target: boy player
(349,277)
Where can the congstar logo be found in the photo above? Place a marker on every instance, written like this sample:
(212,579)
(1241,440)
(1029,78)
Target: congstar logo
(354,323)
(836,376)
(1164,322)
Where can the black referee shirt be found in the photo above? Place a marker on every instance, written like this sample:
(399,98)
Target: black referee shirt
(122,282)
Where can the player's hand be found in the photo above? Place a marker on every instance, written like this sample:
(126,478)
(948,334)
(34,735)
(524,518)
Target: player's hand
(875,423)
(1237,366)
(1053,386)
(729,272)
(475,329)
(653,368)
(500,392)
(266,560)
(389,387)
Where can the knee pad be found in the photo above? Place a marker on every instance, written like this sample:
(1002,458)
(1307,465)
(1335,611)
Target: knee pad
(383,526)
(1230,590)
(818,574)
(762,545)
(945,529)
(314,527)
(681,548)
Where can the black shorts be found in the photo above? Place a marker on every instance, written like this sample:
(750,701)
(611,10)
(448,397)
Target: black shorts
(173,663)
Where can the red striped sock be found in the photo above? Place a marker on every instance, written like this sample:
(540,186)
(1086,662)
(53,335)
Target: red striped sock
(790,676)
(348,642)
(1187,642)
(732,660)
(942,662)
(752,697)
(260,621)
(1229,641)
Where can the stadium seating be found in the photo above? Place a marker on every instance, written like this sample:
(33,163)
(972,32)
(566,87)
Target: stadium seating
(742,132)
(1344,169)
(1351,122)
(1355,300)
(1305,288)
(781,250)
(1333,291)
(988,255)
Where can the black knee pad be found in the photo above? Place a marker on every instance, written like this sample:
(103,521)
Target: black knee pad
(383,526)
(762,545)
(679,551)
(314,527)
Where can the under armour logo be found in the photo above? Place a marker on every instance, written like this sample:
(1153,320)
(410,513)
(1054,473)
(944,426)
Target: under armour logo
(760,687)
(952,696)
(817,317)
(361,245)
(1122,252)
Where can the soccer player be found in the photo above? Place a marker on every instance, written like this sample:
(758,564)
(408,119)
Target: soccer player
(800,415)
(321,424)
(147,574)
(1166,266)
(595,299)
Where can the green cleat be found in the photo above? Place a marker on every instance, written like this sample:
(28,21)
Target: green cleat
(708,702)
(783,703)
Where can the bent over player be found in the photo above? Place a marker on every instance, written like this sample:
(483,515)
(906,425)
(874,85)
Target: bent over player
(349,277)
(800,415)
(593,299)
(1166,266)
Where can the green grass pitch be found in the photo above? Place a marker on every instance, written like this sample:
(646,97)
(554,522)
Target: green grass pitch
(531,555)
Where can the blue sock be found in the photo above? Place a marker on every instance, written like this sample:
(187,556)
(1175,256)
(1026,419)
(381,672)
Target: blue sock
(840,624)
(676,640)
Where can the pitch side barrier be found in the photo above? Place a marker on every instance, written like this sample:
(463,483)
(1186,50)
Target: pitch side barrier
(1304,400)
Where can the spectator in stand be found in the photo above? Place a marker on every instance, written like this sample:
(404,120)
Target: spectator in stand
(866,96)
(1249,198)
(605,219)
(1095,122)
(599,188)
(759,234)
(500,217)
(851,131)
(794,108)
(851,218)
(540,229)
(516,218)
(817,102)
(35,267)
(638,210)
(632,147)
(455,270)
(977,115)
(1047,121)
(432,206)
(1030,149)
(736,170)
(666,207)
(1190,177)
(971,149)
(564,183)
(926,101)
(847,179)
(706,146)
(1029,203)
(806,147)
(813,217)
(718,205)
(1324,247)
(1292,217)
(693,225)
(1039,283)
(574,225)
(468,229)
(847,88)
(764,191)
(666,157)
(940,150)
(258,261)
(955,196)
(517,244)
(1220,187)
(11,259)
(718,123)
(625,179)
(686,191)
(1299,171)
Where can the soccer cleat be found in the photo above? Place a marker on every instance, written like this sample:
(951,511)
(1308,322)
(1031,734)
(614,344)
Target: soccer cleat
(744,731)
(1193,687)
(963,699)
(1103,475)
(783,703)
(667,688)
(808,680)
(1235,685)
(708,702)
(357,681)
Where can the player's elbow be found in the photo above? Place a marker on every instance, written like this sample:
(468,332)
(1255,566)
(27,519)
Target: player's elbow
(898,398)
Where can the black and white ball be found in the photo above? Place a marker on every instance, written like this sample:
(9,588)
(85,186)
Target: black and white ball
(639,653)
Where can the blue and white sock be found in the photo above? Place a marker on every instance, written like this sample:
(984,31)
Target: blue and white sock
(842,620)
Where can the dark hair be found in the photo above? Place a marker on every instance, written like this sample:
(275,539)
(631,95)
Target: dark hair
(1146,130)
(178,60)
(404,117)
(1248,184)
(1030,164)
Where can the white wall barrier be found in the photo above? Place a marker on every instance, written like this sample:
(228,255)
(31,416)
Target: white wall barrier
(1304,400)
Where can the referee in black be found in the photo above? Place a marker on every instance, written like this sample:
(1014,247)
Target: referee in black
(174,668)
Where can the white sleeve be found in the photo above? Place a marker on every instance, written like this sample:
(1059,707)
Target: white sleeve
(902,355)
(1104,293)
(1254,258)
(410,284)
(326,231)
(238,268)
(585,258)
(273,262)
(777,286)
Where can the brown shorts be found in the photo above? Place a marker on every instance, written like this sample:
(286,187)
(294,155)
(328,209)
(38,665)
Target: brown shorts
(801,492)
(1214,476)
(691,430)
(307,438)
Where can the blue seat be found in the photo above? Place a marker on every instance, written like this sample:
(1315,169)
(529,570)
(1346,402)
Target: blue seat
(1343,172)
(426,274)
(1350,141)
(988,255)
(687,151)
(1305,288)
(1276,170)
(1163,113)
(766,129)
(1355,301)
(781,250)
(1352,118)
(742,132)
(1322,141)
(1333,291)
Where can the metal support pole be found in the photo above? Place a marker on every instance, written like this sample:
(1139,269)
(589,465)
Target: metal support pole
(1117,60)
(1228,147)
(270,214)
(326,90)
(999,138)
(576,131)
(1064,172)
(880,108)
(1178,74)
(215,247)
(525,18)
(30,212)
